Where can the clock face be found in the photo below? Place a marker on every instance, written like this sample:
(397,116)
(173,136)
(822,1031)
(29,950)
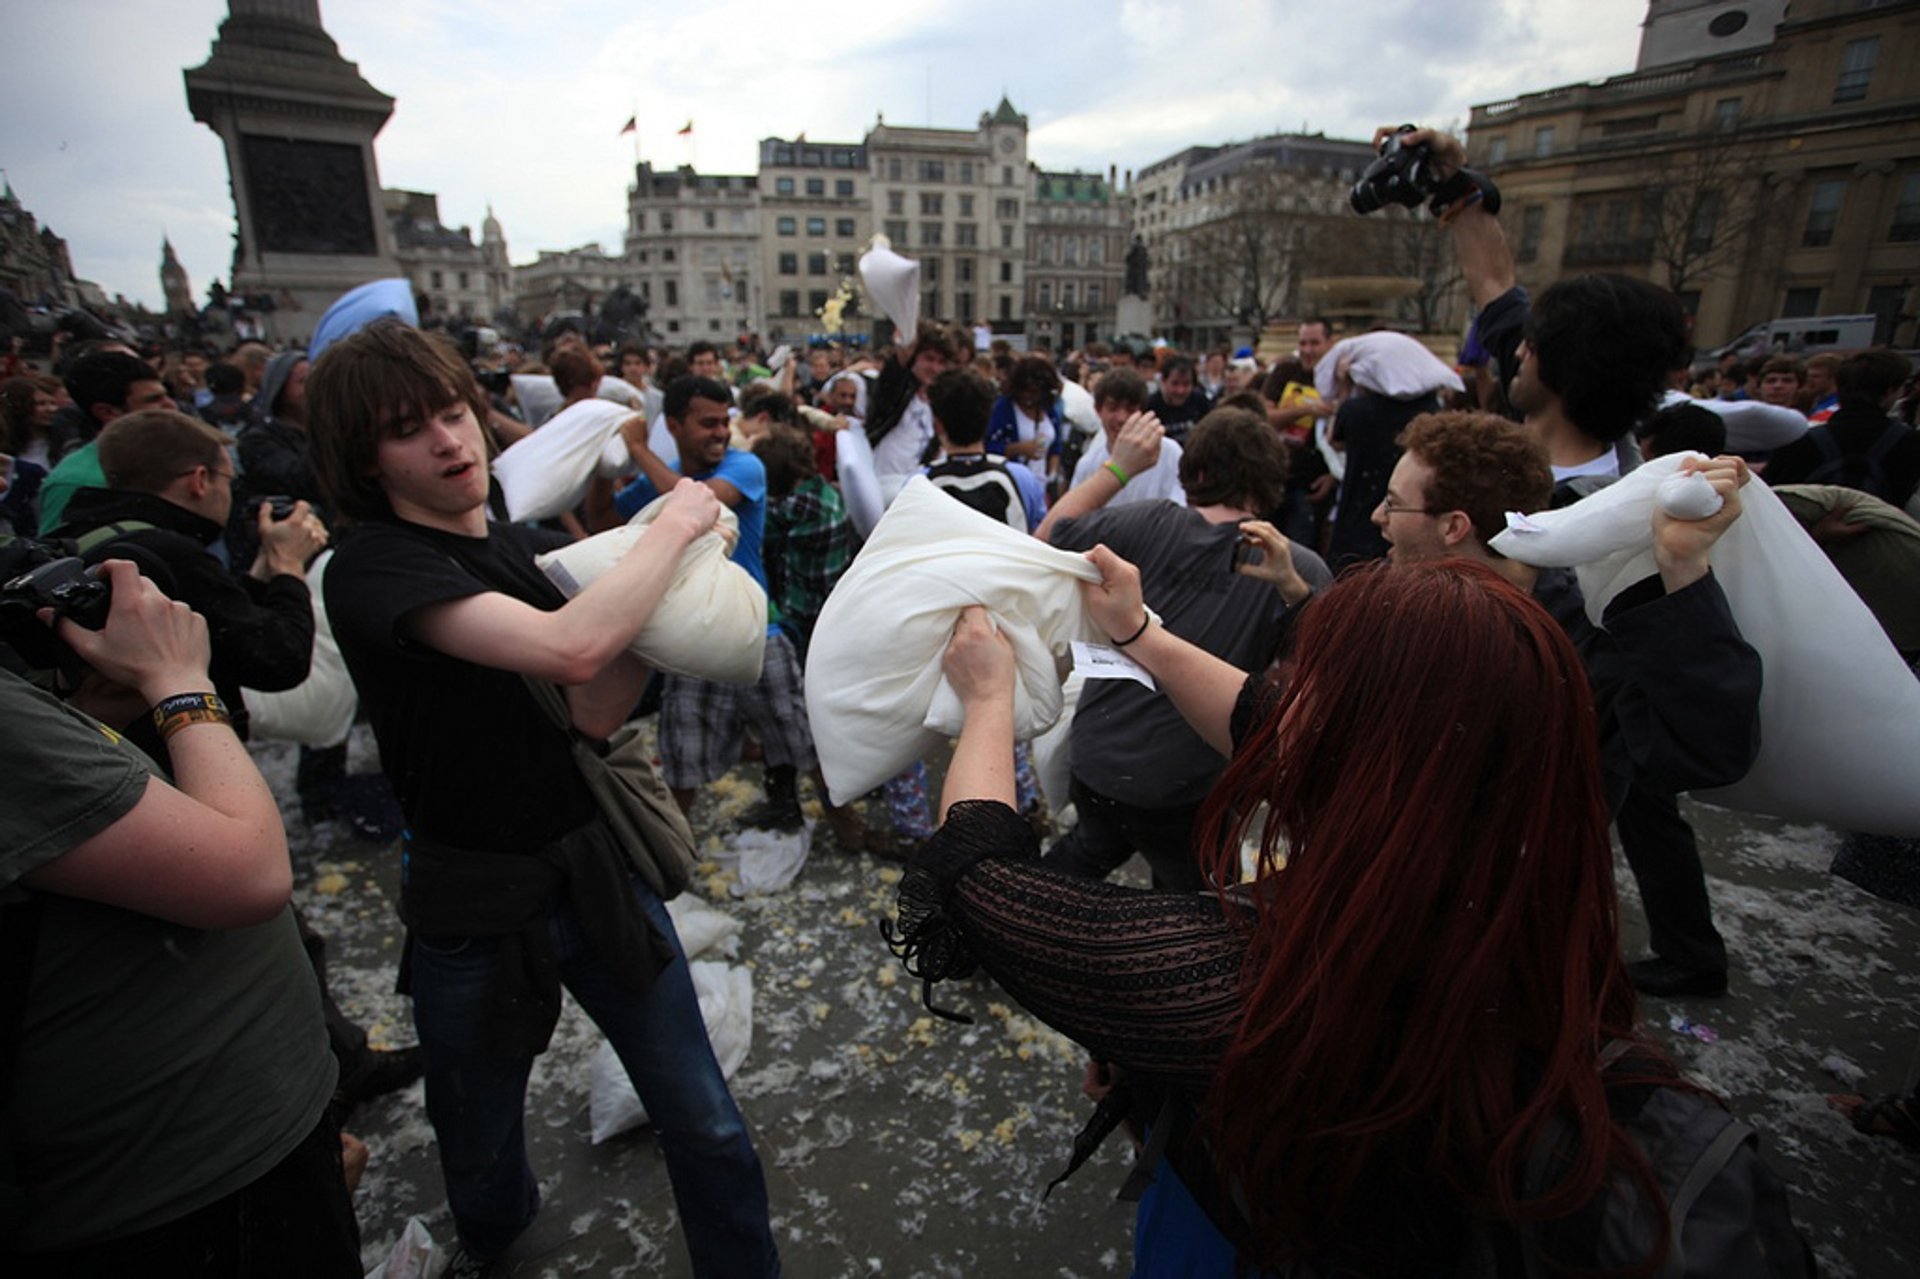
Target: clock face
(1006,145)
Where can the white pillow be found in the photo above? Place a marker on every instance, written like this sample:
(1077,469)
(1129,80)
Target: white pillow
(1386,363)
(1839,710)
(545,472)
(873,668)
(318,711)
(893,282)
(711,623)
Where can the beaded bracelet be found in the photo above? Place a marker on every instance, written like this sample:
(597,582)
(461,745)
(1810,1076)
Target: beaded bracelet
(171,714)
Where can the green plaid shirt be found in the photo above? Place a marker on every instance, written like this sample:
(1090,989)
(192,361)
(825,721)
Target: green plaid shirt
(808,545)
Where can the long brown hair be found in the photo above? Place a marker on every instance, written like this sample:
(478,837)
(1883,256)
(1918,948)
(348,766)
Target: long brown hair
(1434,968)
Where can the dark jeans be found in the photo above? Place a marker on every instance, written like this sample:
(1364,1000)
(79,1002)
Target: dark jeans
(1110,831)
(1665,861)
(476,1097)
(295,1221)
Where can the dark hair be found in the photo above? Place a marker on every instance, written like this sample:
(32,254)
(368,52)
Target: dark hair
(1785,364)
(1033,373)
(1233,457)
(1867,376)
(226,379)
(1179,364)
(364,386)
(697,349)
(962,403)
(1679,428)
(936,338)
(632,348)
(105,377)
(1250,400)
(1326,325)
(1423,989)
(671,370)
(777,405)
(1482,464)
(17,395)
(683,391)
(788,456)
(1605,344)
(575,368)
(146,451)
(1121,386)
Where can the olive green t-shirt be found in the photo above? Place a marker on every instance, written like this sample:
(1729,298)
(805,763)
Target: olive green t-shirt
(160,1068)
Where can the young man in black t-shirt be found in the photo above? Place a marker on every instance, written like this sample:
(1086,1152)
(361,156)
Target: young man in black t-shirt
(512,884)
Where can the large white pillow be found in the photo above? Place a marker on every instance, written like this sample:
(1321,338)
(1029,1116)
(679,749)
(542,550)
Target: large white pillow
(545,472)
(873,668)
(1387,363)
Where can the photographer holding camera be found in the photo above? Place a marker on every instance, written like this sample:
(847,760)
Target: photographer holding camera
(170,492)
(166,1072)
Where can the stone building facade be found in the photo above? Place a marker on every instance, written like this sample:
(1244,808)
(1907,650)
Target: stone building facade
(693,252)
(1076,258)
(1774,170)
(458,278)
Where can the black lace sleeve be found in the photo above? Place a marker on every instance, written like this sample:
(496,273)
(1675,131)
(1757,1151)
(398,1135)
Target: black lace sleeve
(1258,696)
(1148,980)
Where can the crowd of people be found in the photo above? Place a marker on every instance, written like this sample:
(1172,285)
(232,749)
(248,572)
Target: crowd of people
(1400,1039)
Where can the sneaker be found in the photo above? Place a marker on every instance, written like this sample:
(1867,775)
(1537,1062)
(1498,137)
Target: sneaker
(1663,977)
(468,1264)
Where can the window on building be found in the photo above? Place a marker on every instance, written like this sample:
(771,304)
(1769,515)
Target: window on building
(714,295)
(783,186)
(673,326)
(1006,180)
(930,271)
(737,219)
(816,299)
(1726,113)
(1799,302)
(1046,295)
(713,326)
(816,226)
(843,227)
(1071,251)
(896,202)
(666,220)
(1856,69)
(669,255)
(932,204)
(646,291)
(893,169)
(707,216)
(1906,213)
(639,222)
(930,304)
(790,302)
(966,234)
(1006,273)
(1093,297)
(1066,294)
(1007,210)
(1497,149)
(673,292)
(785,226)
(1097,249)
(963,306)
(933,170)
(1006,307)
(1705,221)
(1532,219)
(1006,235)
(1884,301)
(439,280)
(1823,213)
(843,186)
(966,270)
(789,264)
(1543,140)
(844,264)
(896,229)
(966,171)
(966,205)
(930,233)
(816,264)
(816,186)
(1046,248)
(463,279)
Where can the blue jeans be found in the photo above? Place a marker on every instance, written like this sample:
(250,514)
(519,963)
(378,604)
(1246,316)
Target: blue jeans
(476,1097)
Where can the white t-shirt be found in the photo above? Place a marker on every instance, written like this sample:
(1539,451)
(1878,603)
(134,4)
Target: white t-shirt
(1162,481)
(1607,463)
(899,451)
(1041,428)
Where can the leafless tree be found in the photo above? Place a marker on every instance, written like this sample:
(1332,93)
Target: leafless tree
(1704,204)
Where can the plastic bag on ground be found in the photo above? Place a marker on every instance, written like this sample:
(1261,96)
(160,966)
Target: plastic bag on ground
(706,932)
(874,664)
(765,861)
(725,992)
(415,1255)
(318,711)
(1839,710)
(711,623)
(545,473)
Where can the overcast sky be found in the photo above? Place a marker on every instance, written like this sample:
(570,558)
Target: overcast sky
(520,102)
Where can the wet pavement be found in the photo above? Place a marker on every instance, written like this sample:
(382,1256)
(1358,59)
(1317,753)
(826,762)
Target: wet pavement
(899,1144)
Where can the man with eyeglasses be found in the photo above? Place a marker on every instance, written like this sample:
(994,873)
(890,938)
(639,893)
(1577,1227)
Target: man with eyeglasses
(169,490)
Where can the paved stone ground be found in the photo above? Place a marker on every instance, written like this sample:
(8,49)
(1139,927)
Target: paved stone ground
(899,1144)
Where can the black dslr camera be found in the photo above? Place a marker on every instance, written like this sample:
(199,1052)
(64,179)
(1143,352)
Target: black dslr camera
(1405,175)
(282,507)
(46,579)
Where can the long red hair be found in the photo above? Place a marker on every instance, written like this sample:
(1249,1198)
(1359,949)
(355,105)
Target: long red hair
(1434,968)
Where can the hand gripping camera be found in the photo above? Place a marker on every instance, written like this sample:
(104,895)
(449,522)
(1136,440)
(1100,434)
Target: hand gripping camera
(1406,175)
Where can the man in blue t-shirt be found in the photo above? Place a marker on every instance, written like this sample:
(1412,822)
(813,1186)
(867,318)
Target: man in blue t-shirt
(702,722)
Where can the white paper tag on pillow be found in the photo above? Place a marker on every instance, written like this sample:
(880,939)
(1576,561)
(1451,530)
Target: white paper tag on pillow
(1097,661)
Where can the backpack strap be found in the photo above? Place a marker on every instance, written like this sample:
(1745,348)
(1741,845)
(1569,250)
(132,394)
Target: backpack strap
(93,539)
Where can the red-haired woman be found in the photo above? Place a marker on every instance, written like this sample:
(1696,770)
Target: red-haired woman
(1356,1062)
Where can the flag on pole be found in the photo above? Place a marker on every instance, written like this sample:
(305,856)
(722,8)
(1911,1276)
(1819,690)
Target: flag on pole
(633,122)
(685,131)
